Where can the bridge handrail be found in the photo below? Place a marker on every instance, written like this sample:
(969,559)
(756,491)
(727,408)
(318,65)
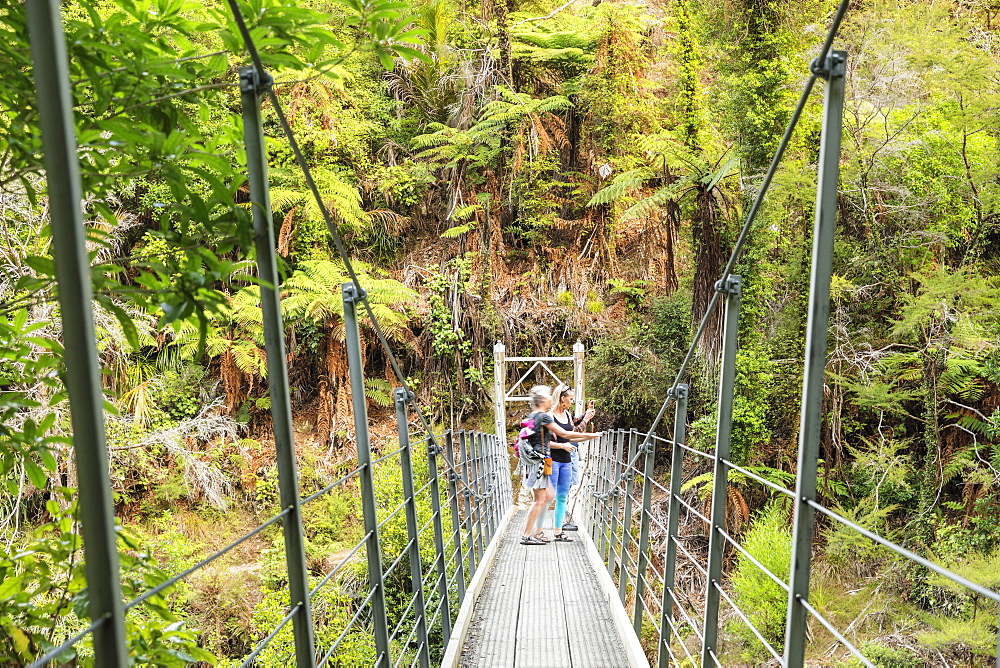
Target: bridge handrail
(611,535)
(479,531)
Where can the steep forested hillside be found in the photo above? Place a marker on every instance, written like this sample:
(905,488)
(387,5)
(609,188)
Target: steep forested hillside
(531,172)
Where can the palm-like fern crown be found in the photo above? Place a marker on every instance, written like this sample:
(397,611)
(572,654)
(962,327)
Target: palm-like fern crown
(313,293)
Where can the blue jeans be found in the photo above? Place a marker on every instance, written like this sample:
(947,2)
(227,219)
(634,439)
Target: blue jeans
(562,477)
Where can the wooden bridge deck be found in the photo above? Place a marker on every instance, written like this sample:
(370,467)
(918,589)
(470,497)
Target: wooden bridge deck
(542,606)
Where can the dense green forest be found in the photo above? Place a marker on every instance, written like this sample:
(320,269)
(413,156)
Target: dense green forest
(531,172)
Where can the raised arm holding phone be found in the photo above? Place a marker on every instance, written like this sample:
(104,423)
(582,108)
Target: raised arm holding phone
(547,478)
(564,452)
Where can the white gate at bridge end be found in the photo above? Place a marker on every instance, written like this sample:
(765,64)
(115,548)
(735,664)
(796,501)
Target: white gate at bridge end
(502,394)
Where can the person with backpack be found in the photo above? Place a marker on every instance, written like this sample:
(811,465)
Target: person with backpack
(536,457)
(564,454)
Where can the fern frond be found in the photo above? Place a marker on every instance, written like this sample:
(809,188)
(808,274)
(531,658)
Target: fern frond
(661,197)
(621,185)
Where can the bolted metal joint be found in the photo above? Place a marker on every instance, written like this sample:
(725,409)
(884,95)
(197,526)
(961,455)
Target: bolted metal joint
(352,294)
(649,448)
(433,449)
(680,391)
(834,65)
(453,477)
(402,395)
(732,286)
(253,80)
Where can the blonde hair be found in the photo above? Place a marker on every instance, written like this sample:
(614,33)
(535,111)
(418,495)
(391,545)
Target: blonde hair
(537,393)
(558,393)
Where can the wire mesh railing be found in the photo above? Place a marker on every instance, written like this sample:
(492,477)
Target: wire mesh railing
(437,508)
(614,511)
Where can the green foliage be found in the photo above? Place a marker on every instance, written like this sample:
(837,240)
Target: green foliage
(313,294)
(44,597)
(758,596)
(970,639)
(27,440)
(851,551)
(180,395)
(887,657)
(447,338)
(631,372)
(615,93)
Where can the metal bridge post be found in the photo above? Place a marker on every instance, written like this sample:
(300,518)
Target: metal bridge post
(720,482)
(253,84)
(603,490)
(499,391)
(609,473)
(680,394)
(412,527)
(491,465)
(642,560)
(467,494)
(627,517)
(456,522)
(440,562)
(482,503)
(617,466)
(578,379)
(594,462)
(834,71)
(366,476)
(76,299)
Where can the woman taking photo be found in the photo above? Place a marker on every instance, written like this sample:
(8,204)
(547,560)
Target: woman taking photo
(542,441)
(563,451)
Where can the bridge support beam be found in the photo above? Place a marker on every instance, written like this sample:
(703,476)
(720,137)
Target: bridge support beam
(626,520)
(720,482)
(578,379)
(834,71)
(76,299)
(680,395)
(440,562)
(642,559)
(473,528)
(403,397)
(500,390)
(618,443)
(253,84)
(456,521)
(366,481)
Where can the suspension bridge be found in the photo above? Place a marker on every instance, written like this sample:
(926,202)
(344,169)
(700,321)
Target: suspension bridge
(474,597)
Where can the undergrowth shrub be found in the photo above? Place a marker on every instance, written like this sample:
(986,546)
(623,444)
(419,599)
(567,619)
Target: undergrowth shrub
(758,596)
(887,657)
(632,372)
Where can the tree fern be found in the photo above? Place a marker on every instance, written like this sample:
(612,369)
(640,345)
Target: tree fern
(314,293)
(621,185)
(661,197)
